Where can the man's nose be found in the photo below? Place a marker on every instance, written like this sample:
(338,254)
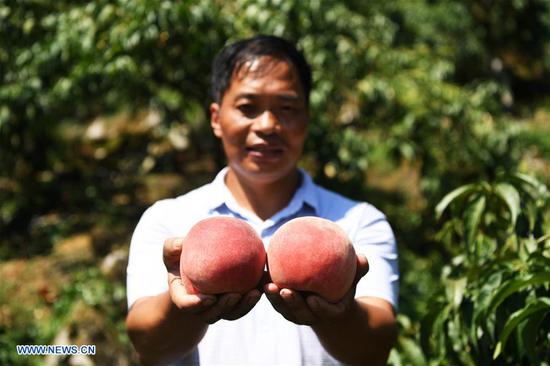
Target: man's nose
(266,122)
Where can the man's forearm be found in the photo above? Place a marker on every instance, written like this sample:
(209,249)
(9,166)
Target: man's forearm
(160,332)
(370,330)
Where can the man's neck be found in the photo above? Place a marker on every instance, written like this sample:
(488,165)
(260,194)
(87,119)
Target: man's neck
(264,199)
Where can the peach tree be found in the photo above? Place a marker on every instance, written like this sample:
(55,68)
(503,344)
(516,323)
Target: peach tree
(495,305)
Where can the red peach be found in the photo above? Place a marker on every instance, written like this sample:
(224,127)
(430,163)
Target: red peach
(314,255)
(221,254)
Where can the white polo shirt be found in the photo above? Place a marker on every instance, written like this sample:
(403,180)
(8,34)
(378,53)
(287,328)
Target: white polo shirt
(263,336)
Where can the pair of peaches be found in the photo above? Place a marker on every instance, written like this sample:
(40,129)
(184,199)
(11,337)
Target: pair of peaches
(224,254)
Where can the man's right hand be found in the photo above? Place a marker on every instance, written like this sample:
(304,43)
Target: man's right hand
(208,308)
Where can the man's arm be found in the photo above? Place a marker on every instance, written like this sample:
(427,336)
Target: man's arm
(160,331)
(358,331)
(370,329)
(167,326)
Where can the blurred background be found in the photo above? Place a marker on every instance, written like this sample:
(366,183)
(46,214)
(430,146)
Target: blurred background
(437,112)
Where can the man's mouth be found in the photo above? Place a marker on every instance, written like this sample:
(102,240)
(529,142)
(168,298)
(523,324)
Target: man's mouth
(265,152)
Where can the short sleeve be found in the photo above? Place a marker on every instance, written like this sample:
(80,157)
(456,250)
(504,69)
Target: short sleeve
(375,239)
(146,272)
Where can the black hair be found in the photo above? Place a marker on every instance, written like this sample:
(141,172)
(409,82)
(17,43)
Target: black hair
(232,57)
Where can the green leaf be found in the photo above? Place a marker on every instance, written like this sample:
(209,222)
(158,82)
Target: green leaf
(531,185)
(542,239)
(515,286)
(528,332)
(410,352)
(456,290)
(541,305)
(472,218)
(432,335)
(488,282)
(510,195)
(450,197)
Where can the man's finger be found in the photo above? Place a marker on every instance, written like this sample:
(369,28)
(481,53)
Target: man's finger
(189,302)
(246,304)
(298,307)
(362,267)
(324,309)
(272,293)
(171,252)
(224,305)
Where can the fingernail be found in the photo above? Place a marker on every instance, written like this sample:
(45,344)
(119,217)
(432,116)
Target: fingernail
(287,294)
(178,243)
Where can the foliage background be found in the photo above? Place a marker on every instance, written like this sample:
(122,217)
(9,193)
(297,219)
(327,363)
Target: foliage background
(103,110)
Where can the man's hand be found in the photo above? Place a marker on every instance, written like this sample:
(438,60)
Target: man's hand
(208,308)
(313,309)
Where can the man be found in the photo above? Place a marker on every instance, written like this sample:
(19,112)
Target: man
(261,114)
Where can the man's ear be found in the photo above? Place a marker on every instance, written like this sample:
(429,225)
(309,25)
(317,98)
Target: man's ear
(215,119)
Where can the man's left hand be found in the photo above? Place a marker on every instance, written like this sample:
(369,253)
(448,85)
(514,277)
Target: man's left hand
(312,309)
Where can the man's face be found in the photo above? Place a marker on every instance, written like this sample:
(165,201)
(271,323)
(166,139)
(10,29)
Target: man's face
(262,120)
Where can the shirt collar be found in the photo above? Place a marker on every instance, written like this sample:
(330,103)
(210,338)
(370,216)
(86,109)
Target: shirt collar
(307,192)
(220,195)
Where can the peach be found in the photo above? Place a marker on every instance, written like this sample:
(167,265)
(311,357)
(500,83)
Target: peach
(221,254)
(312,254)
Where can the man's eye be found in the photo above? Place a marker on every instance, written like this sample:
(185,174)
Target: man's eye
(247,109)
(288,108)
